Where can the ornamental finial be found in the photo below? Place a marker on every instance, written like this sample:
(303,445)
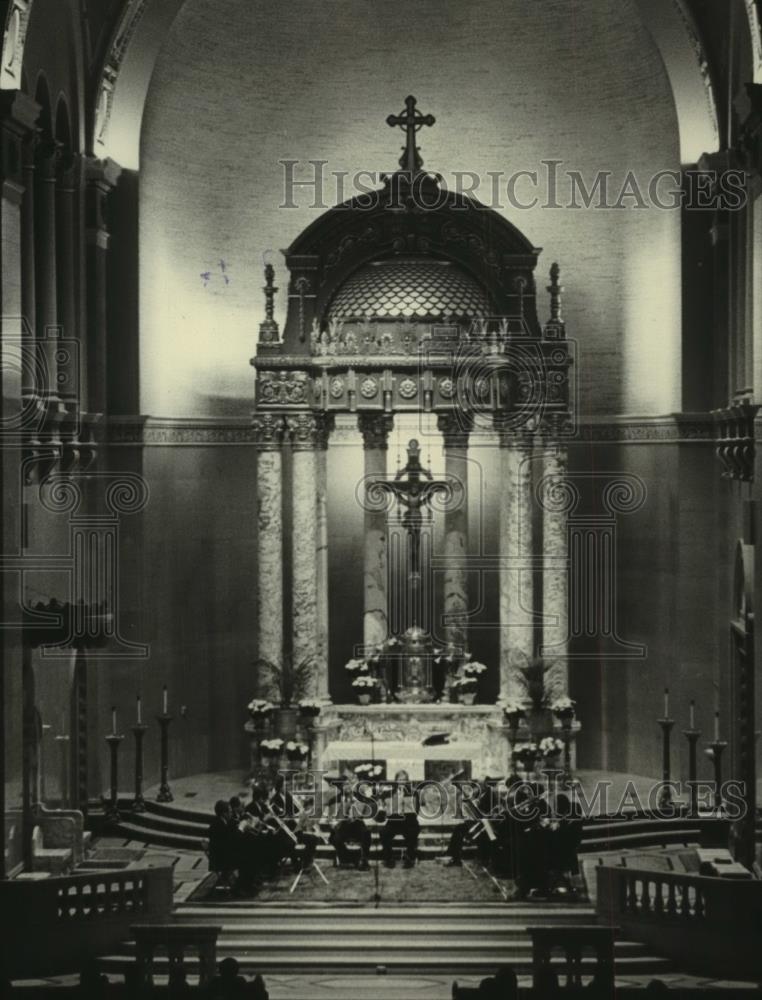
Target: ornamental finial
(268,330)
(411,120)
(555,325)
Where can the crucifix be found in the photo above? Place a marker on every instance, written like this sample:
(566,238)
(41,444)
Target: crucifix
(411,120)
(414,488)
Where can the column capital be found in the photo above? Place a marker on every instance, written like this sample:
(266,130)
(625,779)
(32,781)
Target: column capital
(375,429)
(104,173)
(455,427)
(309,431)
(269,429)
(510,436)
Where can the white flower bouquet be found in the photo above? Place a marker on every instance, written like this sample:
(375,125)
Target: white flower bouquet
(365,683)
(271,747)
(563,706)
(310,706)
(297,751)
(474,669)
(462,685)
(259,709)
(551,746)
(368,772)
(355,666)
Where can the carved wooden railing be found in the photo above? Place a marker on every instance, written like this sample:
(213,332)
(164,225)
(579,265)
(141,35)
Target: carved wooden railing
(710,925)
(56,924)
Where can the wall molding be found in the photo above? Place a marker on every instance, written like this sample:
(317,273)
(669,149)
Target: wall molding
(137,431)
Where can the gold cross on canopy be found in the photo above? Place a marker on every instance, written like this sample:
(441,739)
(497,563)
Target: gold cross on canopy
(411,120)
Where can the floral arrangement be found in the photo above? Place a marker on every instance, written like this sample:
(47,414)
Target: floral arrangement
(563,706)
(550,746)
(366,772)
(474,669)
(354,666)
(259,709)
(310,706)
(273,746)
(365,682)
(526,752)
(512,706)
(297,751)
(462,685)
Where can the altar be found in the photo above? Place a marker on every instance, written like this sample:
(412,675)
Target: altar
(428,741)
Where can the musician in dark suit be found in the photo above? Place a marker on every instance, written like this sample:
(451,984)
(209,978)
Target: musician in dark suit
(350,828)
(221,836)
(473,827)
(402,821)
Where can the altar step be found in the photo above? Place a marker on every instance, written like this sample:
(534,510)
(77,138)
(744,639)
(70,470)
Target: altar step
(446,939)
(169,825)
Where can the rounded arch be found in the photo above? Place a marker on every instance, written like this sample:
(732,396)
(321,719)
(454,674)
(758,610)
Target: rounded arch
(143,28)
(63,133)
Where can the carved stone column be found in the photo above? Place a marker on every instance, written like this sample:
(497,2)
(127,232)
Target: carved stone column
(555,502)
(67,204)
(269,430)
(516,558)
(456,428)
(321,542)
(46,276)
(305,432)
(375,429)
(101,177)
(28,294)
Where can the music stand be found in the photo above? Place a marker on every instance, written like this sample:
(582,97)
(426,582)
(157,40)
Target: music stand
(303,871)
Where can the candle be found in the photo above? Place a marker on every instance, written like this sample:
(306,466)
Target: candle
(140,711)
(165,707)
(693,714)
(716,727)
(666,703)
(113,721)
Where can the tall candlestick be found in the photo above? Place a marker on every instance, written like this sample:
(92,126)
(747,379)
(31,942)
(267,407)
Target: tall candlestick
(716,727)
(140,711)
(693,714)
(165,702)
(666,703)
(113,721)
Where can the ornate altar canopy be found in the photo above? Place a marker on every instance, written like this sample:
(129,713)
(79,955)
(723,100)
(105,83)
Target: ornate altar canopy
(413,299)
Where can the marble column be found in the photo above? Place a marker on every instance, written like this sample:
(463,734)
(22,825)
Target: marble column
(305,431)
(269,430)
(516,558)
(321,558)
(555,502)
(46,274)
(456,428)
(375,429)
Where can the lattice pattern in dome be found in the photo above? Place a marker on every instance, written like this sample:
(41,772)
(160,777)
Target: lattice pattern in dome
(406,288)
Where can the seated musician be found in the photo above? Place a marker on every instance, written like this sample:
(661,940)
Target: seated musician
(350,828)
(401,822)
(221,836)
(473,828)
(294,818)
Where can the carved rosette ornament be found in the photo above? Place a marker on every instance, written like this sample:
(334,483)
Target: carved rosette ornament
(269,429)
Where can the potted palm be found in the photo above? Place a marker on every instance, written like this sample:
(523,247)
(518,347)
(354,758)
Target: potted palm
(290,680)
